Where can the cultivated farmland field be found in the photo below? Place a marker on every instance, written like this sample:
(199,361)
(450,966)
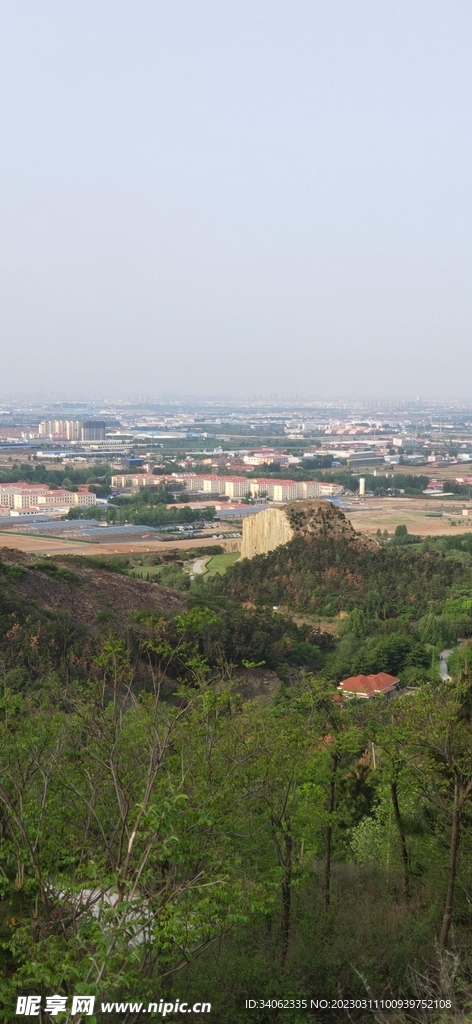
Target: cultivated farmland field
(431,517)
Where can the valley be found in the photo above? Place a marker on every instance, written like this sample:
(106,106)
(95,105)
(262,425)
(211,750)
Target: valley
(274,820)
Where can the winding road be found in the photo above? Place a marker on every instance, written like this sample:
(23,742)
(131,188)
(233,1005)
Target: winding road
(443,664)
(198,567)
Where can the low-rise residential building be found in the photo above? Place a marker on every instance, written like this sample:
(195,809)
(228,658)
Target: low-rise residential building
(435,484)
(67,499)
(319,489)
(26,499)
(83,497)
(264,456)
(292,490)
(236,486)
(364,687)
(124,480)
(20,496)
(240,486)
(283,490)
(213,484)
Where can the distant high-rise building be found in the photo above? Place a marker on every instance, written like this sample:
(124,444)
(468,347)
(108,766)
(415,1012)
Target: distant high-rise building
(92,430)
(69,429)
(72,430)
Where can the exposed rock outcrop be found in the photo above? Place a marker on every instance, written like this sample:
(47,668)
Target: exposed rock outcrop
(265,531)
(274,526)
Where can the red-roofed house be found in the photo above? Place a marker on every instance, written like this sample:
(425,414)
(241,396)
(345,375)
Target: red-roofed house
(368,686)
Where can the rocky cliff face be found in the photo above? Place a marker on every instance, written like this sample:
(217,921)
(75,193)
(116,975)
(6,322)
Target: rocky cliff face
(265,531)
(274,526)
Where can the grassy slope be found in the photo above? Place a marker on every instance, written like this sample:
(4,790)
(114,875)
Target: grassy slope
(218,564)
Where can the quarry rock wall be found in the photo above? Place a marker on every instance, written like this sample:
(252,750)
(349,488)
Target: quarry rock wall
(305,519)
(265,531)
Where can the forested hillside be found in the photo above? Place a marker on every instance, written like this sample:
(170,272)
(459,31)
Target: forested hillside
(165,831)
(330,575)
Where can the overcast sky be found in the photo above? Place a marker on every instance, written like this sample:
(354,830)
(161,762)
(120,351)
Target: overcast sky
(236,196)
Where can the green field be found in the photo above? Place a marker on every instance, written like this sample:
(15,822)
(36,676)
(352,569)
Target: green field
(216,564)
(220,563)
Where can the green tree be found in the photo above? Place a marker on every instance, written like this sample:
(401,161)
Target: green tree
(124,857)
(437,751)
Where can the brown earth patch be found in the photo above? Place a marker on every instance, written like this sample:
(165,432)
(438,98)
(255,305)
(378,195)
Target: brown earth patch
(94,596)
(51,546)
(420,516)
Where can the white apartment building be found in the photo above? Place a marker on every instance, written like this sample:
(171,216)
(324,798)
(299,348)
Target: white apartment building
(66,499)
(210,483)
(55,499)
(291,490)
(276,490)
(318,489)
(286,490)
(18,497)
(213,484)
(264,456)
(24,499)
(191,481)
(84,499)
(236,486)
(137,480)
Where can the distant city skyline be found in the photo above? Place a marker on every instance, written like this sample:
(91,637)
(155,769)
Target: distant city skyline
(107,407)
(248,201)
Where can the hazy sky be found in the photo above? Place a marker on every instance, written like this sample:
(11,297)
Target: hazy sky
(237,196)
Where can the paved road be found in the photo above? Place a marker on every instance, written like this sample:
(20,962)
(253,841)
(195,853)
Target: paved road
(198,567)
(443,664)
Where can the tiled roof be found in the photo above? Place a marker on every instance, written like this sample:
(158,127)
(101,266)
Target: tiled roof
(382,682)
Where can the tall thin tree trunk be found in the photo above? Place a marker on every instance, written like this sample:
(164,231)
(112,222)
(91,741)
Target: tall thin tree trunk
(286,896)
(451,878)
(329,831)
(402,836)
